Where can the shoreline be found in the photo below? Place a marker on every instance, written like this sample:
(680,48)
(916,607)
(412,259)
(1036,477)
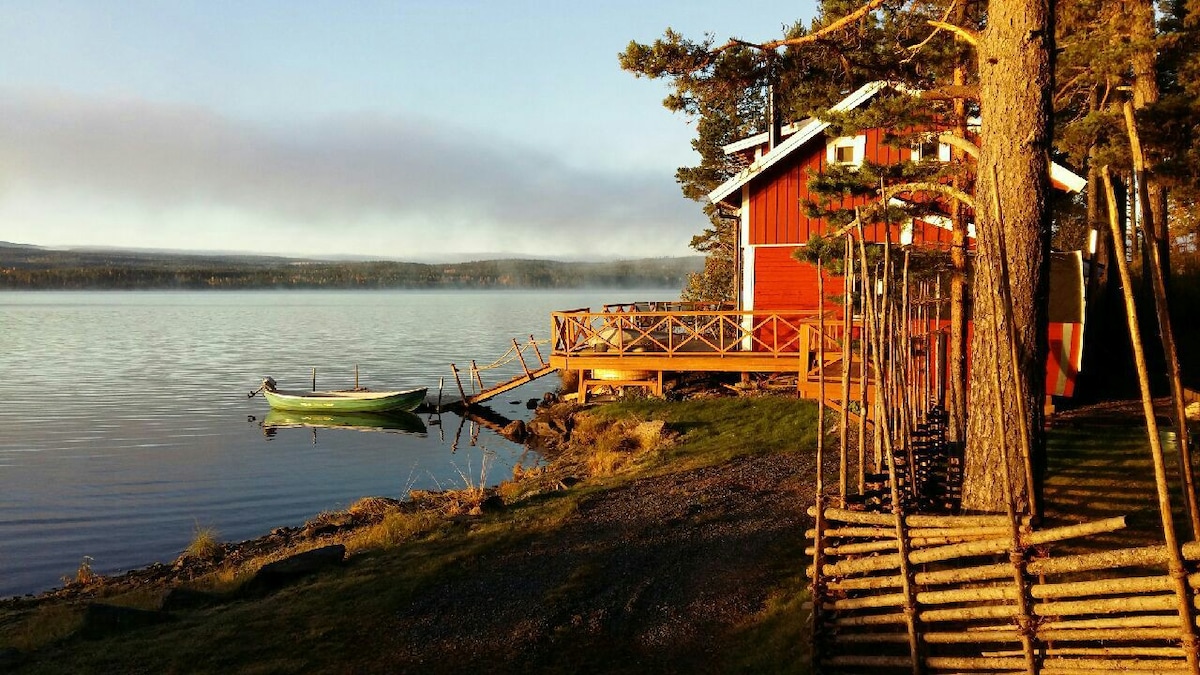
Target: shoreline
(606,553)
(325,528)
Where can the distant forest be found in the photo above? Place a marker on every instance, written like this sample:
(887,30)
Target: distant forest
(27,267)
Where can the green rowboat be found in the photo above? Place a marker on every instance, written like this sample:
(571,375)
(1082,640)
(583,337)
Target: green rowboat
(342,401)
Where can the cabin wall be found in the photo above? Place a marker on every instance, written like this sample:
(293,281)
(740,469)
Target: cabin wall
(778,199)
(783,284)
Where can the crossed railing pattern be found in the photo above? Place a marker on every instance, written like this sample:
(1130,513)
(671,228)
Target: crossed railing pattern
(722,333)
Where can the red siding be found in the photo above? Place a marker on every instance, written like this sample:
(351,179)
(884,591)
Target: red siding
(782,282)
(1062,359)
(779,198)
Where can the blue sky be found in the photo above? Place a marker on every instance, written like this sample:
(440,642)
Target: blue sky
(410,130)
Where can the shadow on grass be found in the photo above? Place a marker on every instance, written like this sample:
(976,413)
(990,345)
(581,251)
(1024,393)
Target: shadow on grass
(1107,471)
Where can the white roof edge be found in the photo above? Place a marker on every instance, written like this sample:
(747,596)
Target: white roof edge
(806,132)
(760,138)
(1073,181)
(811,127)
(745,143)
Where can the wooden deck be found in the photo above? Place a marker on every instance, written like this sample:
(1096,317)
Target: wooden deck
(646,340)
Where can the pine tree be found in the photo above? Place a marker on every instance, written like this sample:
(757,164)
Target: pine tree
(813,67)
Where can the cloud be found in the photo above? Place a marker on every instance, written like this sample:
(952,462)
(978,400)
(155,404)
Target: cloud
(381,177)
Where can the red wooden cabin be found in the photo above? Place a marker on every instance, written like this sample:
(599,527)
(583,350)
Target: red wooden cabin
(769,197)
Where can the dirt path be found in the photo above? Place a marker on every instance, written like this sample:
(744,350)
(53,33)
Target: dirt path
(657,576)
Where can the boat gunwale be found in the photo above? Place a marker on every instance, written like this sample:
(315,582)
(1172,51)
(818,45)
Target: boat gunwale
(345,395)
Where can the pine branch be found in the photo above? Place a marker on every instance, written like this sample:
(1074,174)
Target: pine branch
(937,26)
(960,143)
(834,27)
(968,36)
(938,188)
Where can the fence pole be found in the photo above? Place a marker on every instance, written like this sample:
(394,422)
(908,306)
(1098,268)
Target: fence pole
(537,351)
(1162,311)
(1175,558)
(847,351)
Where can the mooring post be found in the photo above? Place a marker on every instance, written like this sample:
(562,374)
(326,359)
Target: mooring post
(314,381)
(458,381)
(520,357)
(537,351)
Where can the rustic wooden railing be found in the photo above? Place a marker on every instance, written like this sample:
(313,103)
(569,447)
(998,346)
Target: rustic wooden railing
(721,333)
(1094,612)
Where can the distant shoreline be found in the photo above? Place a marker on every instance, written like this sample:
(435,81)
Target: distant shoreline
(332,289)
(23,268)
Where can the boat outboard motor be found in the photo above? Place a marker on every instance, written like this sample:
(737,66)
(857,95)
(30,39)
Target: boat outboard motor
(268,383)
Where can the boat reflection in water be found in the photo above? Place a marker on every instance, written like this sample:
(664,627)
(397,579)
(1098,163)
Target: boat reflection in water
(396,422)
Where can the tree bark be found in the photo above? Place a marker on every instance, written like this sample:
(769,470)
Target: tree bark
(957,400)
(1016,86)
(1145,94)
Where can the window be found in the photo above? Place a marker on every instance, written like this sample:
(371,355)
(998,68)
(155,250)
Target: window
(846,150)
(928,149)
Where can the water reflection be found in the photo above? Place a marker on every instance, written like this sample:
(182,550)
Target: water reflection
(389,422)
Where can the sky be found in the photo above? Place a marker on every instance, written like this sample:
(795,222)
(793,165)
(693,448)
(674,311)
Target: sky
(404,130)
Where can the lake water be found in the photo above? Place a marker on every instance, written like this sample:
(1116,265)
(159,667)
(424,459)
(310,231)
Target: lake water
(124,421)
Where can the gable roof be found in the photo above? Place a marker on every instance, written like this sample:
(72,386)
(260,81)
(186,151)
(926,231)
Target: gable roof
(762,138)
(805,133)
(810,128)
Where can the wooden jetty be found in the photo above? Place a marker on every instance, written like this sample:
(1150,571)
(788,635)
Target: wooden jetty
(517,352)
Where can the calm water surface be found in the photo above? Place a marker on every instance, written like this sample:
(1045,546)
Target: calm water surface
(124,421)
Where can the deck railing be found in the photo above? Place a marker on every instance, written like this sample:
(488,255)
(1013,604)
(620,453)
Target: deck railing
(627,329)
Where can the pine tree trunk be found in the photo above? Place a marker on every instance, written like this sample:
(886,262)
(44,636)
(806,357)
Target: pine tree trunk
(1016,81)
(1146,93)
(957,357)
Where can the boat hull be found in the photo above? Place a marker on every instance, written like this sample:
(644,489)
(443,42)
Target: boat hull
(345,401)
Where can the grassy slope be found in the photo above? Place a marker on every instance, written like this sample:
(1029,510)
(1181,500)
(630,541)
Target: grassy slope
(337,622)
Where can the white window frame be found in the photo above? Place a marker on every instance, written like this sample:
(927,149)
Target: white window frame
(857,143)
(918,150)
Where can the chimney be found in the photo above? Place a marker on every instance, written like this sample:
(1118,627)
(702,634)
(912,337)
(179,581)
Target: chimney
(774,124)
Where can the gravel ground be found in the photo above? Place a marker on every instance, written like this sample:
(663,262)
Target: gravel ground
(654,575)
